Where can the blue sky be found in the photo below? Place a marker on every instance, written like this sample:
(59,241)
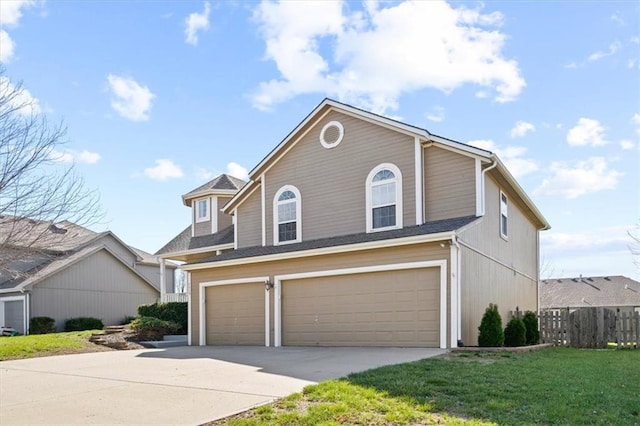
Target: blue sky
(161,96)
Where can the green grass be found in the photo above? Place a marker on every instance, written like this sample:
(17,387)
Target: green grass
(35,345)
(553,386)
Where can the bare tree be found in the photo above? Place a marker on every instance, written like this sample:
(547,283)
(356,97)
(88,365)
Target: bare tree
(635,246)
(37,190)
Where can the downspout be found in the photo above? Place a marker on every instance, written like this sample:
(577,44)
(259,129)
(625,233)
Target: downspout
(493,165)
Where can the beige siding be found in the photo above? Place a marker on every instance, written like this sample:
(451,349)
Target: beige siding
(332,181)
(449,184)
(224,220)
(98,286)
(152,273)
(382,256)
(506,272)
(202,228)
(235,314)
(249,221)
(121,251)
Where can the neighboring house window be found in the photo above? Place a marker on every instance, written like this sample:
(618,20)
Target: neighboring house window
(202,210)
(384,198)
(287,213)
(504,223)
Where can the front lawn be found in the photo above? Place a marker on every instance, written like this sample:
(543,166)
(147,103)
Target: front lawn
(552,386)
(47,344)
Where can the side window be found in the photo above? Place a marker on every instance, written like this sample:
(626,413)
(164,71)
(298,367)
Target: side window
(202,210)
(504,215)
(384,198)
(287,215)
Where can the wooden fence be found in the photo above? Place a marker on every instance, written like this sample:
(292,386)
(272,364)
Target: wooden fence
(589,328)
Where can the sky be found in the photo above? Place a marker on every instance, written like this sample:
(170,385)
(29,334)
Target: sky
(162,96)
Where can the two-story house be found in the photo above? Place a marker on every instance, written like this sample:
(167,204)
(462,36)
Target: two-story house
(358,230)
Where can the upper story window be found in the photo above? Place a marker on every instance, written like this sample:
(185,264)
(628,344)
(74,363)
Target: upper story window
(287,213)
(504,214)
(202,210)
(384,198)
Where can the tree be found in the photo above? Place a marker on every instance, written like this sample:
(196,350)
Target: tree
(37,190)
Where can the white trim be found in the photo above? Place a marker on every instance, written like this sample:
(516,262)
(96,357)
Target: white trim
(190,324)
(479,189)
(455,296)
(193,218)
(25,309)
(214,215)
(163,280)
(398,201)
(267,317)
(442,264)
(394,242)
(207,216)
(504,235)
(330,145)
(263,205)
(201,294)
(234,220)
(418,179)
(207,192)
(173,254)
(276,204)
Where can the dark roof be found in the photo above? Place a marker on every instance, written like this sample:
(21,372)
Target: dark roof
(223,181)
(184,241)
(17,265)
(589,291)
(424,229)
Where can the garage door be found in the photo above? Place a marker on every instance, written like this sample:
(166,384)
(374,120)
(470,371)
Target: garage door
(390,308)
(235,314)
(13,315)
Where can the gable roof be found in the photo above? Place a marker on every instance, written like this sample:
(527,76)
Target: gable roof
(423,135)
(184,241)
(590,291)
(223,183)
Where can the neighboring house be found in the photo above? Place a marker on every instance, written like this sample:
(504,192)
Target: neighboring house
(358,230)
(71,271)
(614,292)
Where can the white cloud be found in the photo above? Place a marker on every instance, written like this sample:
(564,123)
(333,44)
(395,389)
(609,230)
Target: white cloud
(636,119)
(436,114)
(512,157)
(597,239)
(613,48)
(582,177)
(130,100)
(164,169)
(196,22)
(320,47)
(615,17)
(70,156)
(204,174)
(587,132)
(626,144)
(236,170)
(8,47)
(521,128)
(23,101)
(10,14)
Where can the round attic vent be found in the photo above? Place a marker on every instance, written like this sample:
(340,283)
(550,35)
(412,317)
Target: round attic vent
(331,134)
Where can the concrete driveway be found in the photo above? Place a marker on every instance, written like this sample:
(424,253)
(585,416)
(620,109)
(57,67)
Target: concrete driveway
(182,385)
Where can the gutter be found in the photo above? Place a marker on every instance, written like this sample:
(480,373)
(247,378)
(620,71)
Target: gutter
(493,165)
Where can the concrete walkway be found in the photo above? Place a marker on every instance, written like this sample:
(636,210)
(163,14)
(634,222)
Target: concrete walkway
(181,385)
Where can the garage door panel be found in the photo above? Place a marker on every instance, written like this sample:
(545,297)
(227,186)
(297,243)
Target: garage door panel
(390,308)
(235,314)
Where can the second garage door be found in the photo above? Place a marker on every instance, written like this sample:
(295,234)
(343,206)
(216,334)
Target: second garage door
(235,314)
(390,308)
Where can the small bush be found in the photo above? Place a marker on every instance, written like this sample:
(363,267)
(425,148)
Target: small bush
(515,334)
(83,323)
(42,325)
(127,320)
(151,328)
(531,324)
(491,333)
(172,311)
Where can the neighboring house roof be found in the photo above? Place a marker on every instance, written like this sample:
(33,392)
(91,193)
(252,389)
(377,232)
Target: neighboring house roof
(184,241)
(43,235)
(150,259)
(588,292)
(223,183)
(435,227)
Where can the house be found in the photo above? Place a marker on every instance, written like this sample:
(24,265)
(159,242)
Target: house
(613,292)
(63,271)
(358,230)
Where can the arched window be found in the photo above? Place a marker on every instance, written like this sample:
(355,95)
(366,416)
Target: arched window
(287,213)
(384,198)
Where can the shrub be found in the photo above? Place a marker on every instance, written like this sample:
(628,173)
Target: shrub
(515,334)
(42,325)
(491,333)
(151,328)
(176,312)
(127,320)
(531,324)
(83,323)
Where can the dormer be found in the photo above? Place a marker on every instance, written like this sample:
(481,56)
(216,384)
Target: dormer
(206,203)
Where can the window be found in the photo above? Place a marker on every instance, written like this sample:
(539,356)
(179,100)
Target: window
(503,215)
(287,216)
(202,210)
(384,198)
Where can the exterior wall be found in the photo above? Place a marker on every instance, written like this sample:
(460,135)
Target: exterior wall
(152,273)
(98,286)
(381,256)
(224,220)
(332,181)
(249,221)
(449,184)
(484,279)
(116,247)
(200,228)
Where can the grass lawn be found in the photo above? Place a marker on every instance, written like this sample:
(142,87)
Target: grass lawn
(34,345)
(552,386)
